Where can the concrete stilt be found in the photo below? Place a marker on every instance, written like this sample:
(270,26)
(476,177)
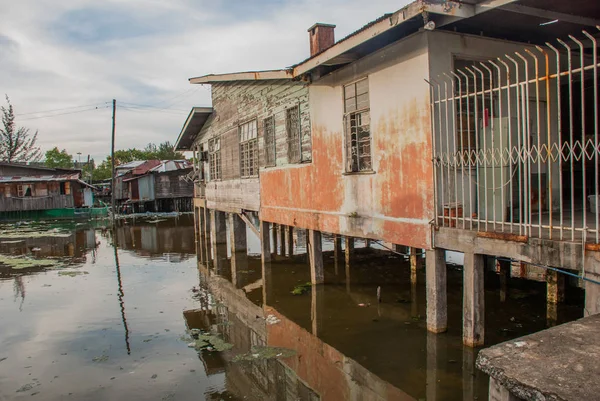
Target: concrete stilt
(504,273)
(274,238)
(315,256)
(592,295)
(207,235)
(219,239)
(337,251)
(265,256)
(316,308)
(555,294)
(437,302)
(468,373)
(413,264)
(199,224)
(281,233)
(367,243)
(473,300)
(289,240)
(349,251)
(432,382)
(555,287)
(238,242)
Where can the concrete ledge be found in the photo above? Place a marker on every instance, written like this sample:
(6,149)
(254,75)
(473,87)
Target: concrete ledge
(568,255)
(559,364)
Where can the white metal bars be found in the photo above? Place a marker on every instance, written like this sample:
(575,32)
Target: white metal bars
(515,142)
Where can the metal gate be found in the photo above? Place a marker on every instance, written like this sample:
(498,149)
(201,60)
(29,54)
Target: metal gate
(515,142)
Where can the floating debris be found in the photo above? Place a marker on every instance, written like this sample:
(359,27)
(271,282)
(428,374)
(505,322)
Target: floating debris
(21,262)
(72,273)
(264,353)
(301,288)
(207,341)
(102,358)
(272,319)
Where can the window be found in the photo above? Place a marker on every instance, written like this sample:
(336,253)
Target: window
(248,149)
(269,135)
(24,190)
(357,126)
(65,188)
(292,126)
(214,158)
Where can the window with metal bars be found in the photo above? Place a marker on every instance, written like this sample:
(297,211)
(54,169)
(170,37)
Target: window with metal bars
(357,126)
(248,149)
(214,158)
(269,137)
(292,126)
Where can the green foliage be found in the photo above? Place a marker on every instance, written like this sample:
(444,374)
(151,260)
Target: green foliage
(16,143)
(58,159)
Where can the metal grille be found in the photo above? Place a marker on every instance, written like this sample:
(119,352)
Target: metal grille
(515,142)
(357,122)
(292,125)
(214,158)
(248,149)
(269,135)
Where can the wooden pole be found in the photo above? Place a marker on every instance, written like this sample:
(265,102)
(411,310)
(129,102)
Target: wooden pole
(112,162)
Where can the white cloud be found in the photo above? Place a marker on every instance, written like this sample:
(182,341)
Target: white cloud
(63,53)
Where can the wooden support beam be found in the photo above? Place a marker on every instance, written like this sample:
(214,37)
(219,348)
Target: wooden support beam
(249,224)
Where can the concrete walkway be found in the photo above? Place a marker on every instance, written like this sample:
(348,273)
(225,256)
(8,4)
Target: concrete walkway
(561,363)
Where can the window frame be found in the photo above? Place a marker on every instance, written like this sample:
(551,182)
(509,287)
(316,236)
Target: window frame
(245,146)
(270,120)
(214,159)
(288,129)
(347,127)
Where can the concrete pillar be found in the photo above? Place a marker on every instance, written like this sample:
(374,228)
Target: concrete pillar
(437,303)
(504,273)
(413,264)
(468,373)
(349,245)
(207,240)
(473,300)
(282,242)
(337,251)
(237,240)
(315,256)
(555,287)
(499,393)
(555,294)
(592,295)
(289,240)
(316,308)
(367,243)
(274,238)
(433,368)
(265,256)
(218,227)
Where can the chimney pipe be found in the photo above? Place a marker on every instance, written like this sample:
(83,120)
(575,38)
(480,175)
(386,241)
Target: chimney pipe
(321,37)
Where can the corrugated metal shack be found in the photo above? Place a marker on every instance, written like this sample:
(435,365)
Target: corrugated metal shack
(160,186)
(26,188)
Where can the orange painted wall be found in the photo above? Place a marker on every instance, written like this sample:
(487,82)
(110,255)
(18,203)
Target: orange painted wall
(395,203)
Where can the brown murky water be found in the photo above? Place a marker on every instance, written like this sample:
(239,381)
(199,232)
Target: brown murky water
(106,323)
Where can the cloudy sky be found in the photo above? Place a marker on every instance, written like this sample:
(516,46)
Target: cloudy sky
(75,56)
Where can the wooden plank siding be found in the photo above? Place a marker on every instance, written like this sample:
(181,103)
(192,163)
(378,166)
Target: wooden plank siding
(236,103)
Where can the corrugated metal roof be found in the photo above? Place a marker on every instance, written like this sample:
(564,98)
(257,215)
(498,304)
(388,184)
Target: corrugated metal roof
(171,165)
(130,165)
(39,178)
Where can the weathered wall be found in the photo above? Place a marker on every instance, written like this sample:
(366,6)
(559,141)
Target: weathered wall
(173,185)
(9,200)
(395,202)
(236,103)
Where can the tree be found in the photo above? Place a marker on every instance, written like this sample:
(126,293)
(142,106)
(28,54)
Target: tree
(58,159)
(16,144)
(164,151)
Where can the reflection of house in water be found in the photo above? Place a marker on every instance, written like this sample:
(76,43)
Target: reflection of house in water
(162,239)
(317,371)
(75,244)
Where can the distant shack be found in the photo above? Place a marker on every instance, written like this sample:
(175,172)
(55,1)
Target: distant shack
(39,192)
(154,186)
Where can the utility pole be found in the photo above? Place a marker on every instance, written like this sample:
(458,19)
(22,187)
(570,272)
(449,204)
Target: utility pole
(112,162)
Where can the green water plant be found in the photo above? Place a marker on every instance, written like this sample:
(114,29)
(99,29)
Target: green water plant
(301,288)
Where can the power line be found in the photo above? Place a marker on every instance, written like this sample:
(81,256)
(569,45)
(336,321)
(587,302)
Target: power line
(147,106)
(64,108)
(62,114)
(179,113)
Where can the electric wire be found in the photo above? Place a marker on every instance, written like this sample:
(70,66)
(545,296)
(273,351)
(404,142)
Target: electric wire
(62,114)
